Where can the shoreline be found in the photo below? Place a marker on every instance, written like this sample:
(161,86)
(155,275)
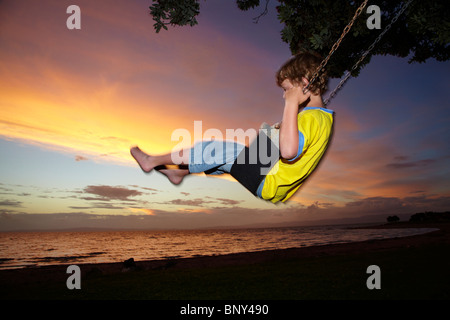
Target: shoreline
(241,257)
(20,280)
(91,258)
(262,256)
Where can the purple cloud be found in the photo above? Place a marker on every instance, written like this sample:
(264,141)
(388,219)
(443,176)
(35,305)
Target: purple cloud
(108,193)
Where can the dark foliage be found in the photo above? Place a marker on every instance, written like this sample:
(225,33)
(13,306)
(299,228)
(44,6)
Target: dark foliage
(421,33)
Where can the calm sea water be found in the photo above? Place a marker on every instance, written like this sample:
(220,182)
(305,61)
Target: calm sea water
(31,249)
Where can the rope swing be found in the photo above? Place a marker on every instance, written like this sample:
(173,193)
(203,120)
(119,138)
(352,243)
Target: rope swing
(363,56)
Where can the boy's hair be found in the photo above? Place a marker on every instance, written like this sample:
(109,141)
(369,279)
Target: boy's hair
(303,64)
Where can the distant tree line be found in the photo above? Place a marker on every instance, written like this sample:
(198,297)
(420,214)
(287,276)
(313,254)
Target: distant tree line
(427,216)
(393,219)
(430,216)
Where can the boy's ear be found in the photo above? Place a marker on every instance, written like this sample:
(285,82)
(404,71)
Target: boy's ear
(305,82)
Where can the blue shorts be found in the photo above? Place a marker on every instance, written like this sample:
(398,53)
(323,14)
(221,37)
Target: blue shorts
(215,157)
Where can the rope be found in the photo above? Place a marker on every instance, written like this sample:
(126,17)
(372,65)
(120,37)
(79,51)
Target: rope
(336,44)
(363,56)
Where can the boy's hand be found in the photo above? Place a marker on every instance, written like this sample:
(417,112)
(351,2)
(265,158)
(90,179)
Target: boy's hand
(296,96)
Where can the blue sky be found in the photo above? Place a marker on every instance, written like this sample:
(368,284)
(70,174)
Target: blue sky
(72,103)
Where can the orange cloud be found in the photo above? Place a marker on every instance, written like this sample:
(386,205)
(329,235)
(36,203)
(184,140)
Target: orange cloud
(148,212)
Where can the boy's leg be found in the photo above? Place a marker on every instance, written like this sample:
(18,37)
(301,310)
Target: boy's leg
(211,157)
(149,162)
(175,176)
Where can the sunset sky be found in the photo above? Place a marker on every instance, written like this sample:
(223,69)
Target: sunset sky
(73,102)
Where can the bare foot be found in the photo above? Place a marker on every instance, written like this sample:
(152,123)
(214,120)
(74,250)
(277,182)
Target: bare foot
(175,176)
(144,160)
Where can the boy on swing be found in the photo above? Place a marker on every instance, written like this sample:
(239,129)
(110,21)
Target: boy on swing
(304,134)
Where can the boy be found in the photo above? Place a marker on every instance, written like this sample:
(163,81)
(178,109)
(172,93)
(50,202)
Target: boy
(303,140)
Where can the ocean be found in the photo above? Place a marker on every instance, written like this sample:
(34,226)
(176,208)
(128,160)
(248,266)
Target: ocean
(33,249)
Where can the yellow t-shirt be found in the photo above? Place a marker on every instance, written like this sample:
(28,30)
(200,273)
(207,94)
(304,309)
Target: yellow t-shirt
(315,127)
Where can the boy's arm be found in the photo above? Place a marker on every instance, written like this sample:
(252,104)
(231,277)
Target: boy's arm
(289,139)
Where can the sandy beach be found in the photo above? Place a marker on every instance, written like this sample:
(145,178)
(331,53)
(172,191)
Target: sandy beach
(335,271)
